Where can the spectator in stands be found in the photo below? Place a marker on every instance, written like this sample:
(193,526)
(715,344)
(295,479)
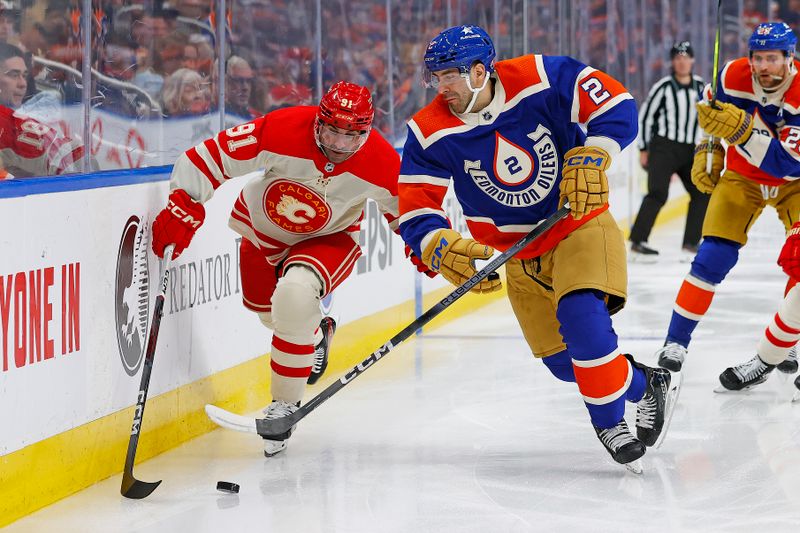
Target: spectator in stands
(168,53)
(239,79)
(205,53)
(193,9)
(118,61)
(13,76)
(8,19)
(27,146)
(184,93)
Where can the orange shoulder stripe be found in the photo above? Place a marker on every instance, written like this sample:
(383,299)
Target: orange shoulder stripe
(436,116)
(518,74)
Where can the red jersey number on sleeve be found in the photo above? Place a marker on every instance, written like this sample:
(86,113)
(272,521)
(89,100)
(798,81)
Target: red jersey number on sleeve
(790,137)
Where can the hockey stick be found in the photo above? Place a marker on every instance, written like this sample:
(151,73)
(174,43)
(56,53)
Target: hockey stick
(132,487)
(276,426)
(714,78)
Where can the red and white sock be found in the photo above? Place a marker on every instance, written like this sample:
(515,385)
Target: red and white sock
(784,330)
(291,366)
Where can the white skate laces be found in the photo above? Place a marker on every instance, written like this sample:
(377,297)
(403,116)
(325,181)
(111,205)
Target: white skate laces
(278,409)
(671,356)
(646,412)
(751,370)
(319,359)
(616,437)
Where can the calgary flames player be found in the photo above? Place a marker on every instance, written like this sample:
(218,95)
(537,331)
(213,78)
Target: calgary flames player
(299,220)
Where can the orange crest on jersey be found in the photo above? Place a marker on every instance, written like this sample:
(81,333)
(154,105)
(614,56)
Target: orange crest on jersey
(295,208)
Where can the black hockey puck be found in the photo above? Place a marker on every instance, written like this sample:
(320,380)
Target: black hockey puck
(227,486)
(493,276)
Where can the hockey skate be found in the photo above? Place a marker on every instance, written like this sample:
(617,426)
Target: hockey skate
(654,410)
(321,350)
(622,445)
(671,356)
(278,409)
(745,376)
(789,365)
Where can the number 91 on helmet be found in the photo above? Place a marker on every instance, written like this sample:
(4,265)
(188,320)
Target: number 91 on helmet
(344,120)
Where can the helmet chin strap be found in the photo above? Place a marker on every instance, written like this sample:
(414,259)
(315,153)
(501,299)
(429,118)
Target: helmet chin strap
(475,92)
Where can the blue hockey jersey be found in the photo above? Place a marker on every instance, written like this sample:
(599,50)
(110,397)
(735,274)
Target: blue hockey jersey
(505,161)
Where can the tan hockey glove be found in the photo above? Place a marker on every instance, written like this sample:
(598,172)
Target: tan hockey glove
(584,183)
(728,121)
(704,181)
(454,257)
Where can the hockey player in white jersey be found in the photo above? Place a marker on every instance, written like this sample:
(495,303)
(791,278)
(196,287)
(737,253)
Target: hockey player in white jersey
(299,219)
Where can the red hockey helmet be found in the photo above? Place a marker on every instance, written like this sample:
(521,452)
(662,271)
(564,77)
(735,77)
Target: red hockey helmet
(346,106)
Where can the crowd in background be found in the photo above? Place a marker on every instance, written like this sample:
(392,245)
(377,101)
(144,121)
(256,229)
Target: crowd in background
(154,59)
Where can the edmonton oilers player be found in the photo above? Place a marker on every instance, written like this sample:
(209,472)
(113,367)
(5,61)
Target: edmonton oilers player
(505,133)
(758,114)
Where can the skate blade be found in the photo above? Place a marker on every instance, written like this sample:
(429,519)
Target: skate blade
(672,399)
(635,467)
(722,390)
(796,397)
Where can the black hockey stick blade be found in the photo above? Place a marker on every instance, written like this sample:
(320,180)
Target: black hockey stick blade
(276,426)
(136,489)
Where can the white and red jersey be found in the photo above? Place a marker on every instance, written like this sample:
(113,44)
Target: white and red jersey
(299,194)
(30,148)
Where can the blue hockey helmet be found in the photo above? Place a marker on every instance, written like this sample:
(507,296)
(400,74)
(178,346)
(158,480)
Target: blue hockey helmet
(773,36)
(459,47)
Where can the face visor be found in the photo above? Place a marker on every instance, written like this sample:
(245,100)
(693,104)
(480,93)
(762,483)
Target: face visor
(429,81)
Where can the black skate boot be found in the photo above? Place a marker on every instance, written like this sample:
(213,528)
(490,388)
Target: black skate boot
(748,374)
(671,356)
(654,410)
(621,444)
(789,365)
(328,327)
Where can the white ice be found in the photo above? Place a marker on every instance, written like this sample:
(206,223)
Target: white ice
(461,430)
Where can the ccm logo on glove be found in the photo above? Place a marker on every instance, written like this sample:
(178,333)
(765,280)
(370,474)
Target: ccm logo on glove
(586,161)
(182,215)
(436,258)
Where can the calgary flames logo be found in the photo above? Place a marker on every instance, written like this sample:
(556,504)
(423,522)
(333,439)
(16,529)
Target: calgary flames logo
(295,208)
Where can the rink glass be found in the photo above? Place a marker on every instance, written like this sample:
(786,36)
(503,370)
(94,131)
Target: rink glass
(154,88)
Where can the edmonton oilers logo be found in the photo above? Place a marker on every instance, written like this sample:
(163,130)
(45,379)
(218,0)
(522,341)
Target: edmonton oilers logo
(521,177)
(131,294)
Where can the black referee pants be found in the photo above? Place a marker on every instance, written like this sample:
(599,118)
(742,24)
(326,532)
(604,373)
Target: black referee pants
(665,158)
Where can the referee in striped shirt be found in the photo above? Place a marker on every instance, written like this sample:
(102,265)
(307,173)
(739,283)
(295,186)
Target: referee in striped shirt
(669,130)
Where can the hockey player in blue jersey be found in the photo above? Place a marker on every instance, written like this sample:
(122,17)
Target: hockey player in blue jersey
(757,112)
(508,136)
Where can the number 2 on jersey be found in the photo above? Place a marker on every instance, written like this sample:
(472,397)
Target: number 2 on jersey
(593,87)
